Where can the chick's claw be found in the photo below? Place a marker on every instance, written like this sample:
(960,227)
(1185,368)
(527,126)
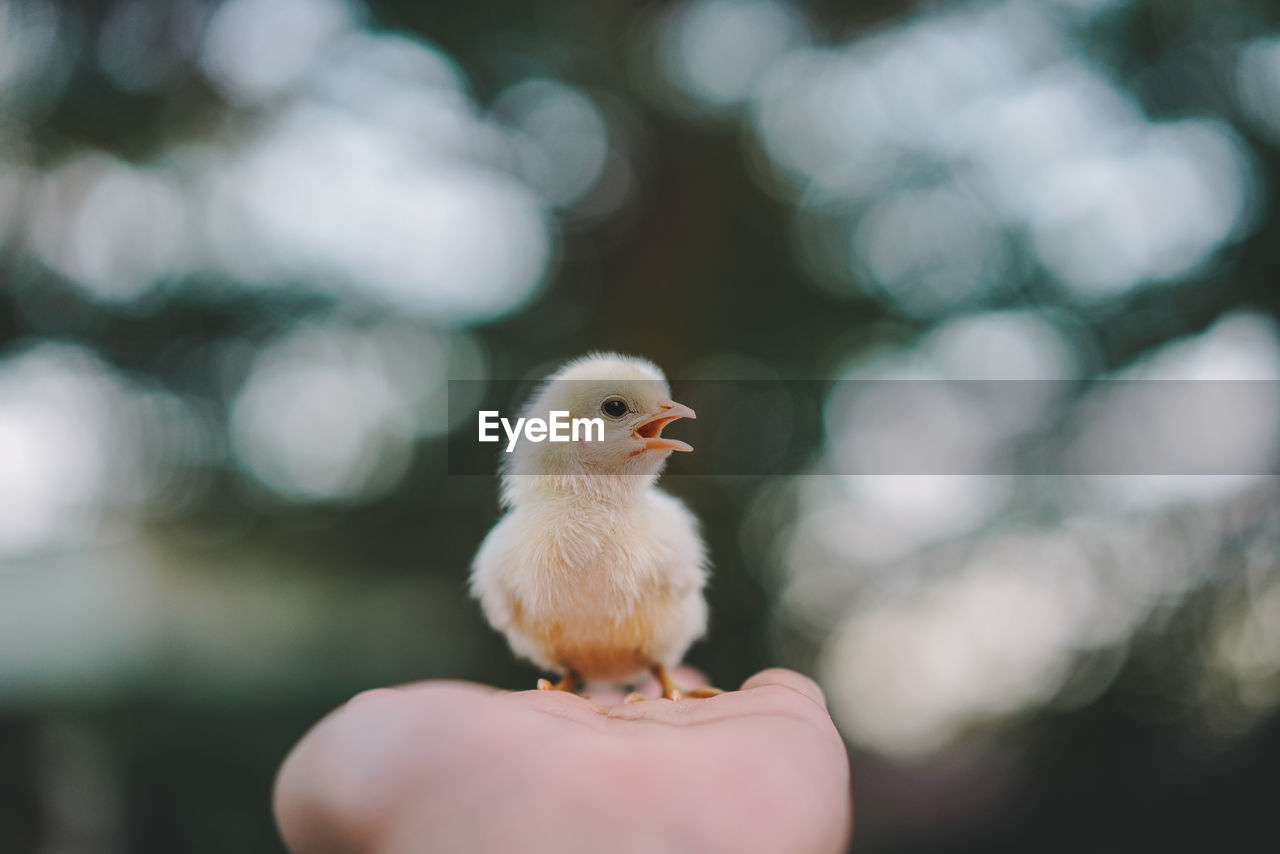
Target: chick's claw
(672,691)
(569,682)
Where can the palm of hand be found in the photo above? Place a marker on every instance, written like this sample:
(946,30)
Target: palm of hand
(459,767)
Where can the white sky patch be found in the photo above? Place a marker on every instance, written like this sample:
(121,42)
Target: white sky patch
(1020,133)
(870,425)
(1154,214)
(1126,424)
(255,50)
(853,529)
(328,197)
(1019,345)
(834,117)
(561,137)
(931,143)
(58,426)
(407,86)
(880,422)
(80,445)
(321,416)
(930,249)
(819,118)
(373,174)
(114,229)
(1002,345)
(986,632)
(907,677)
(716,51)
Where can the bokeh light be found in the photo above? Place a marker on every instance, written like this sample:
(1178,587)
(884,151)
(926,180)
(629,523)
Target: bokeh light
(322,416)
(34,57)
(1026,136)
(716,51)
(115,230)
(561,136)
(258,49)
(57,428)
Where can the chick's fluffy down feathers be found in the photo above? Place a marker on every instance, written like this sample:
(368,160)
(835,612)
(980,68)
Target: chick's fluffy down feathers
(596,574)
(605,592)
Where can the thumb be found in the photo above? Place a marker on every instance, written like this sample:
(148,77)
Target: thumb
(789,679)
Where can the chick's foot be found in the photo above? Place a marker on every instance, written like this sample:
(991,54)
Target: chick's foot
(672,691)
(569,682)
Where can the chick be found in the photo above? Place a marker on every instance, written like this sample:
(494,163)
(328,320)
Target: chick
(593,572)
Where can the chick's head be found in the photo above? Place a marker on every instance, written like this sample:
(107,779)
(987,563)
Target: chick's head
(630,404)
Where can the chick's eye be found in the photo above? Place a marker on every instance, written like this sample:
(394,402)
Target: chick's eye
(614,407)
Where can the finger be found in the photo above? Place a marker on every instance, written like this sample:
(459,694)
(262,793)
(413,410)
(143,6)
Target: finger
(341,773)
(778,677)
(426,685)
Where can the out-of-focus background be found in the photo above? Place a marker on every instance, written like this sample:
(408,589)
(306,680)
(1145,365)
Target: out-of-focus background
(244,245)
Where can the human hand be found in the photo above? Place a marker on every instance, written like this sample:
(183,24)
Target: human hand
(459,767)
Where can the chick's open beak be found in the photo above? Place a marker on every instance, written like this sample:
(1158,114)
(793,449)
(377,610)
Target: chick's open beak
(650,429)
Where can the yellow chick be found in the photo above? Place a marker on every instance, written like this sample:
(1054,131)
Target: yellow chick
(593,572)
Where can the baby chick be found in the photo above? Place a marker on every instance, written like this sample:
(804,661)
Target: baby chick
(593,572)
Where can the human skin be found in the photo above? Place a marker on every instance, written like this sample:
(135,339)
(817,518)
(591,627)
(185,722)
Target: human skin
(458,767)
